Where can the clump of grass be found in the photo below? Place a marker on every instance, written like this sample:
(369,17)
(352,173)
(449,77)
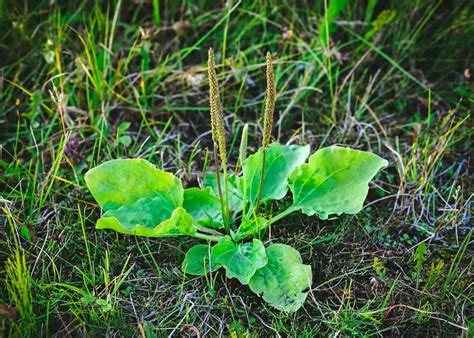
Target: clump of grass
(19,288)
(18,283)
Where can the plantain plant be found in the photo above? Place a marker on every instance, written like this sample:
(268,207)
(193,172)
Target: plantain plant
(139,199)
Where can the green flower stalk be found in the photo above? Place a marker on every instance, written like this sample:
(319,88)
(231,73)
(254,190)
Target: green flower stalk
(267,119)
(242,157)
(218,136)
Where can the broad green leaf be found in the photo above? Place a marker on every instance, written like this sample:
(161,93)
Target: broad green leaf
(334,181)
(239,260)
(148,212)
(250,227)
(123,182)
(138,219)
(282,281)
(198,261)
(235,197)
(279,163)
(204,206)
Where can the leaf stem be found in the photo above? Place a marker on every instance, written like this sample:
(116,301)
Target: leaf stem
(210,238)
(278,217)
(210,231)
(281,215)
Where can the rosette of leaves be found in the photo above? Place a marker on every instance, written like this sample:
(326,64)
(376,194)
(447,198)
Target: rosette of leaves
(140,199)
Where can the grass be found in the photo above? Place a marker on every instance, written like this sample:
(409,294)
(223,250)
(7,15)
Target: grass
(84,83)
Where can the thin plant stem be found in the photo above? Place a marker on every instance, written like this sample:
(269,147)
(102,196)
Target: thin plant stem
(226,202)
(219,188)
(244,202)
(242,158)
(262,178)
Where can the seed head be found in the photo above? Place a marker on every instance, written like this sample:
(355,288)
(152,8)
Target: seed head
(269,103)
(213,89)
(217,118)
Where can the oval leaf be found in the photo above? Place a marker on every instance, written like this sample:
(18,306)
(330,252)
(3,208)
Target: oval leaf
(133,220)
(204,207)
(334,181)
(239,261)
(125,181)
(198,261)
(283,280)
(280,161)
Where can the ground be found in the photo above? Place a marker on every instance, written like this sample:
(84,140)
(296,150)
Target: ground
(85,82)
